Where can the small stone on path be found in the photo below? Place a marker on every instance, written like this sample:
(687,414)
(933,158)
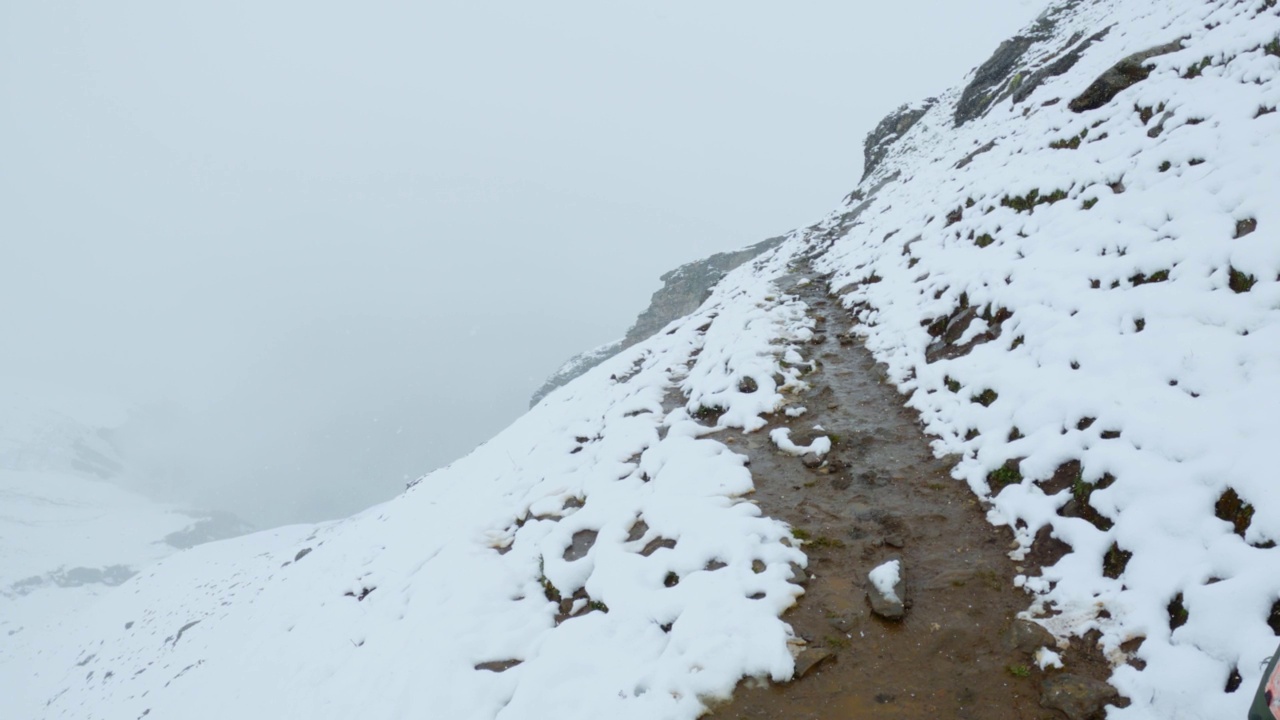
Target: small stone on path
(1079,698)
(1026,636)
(809,660)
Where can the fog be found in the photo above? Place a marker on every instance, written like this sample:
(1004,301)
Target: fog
(321,248)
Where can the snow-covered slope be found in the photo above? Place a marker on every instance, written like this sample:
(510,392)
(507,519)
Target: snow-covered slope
(599,543)
(68,534)
(1070,267)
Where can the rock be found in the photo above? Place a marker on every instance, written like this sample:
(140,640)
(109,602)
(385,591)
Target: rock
(1058,66)
(1026,636)
(1124,74)
(798,575)
(888,603)
(896,124)
(1079,698)
(812,461)
(843,623)
(682,291)
(809,661)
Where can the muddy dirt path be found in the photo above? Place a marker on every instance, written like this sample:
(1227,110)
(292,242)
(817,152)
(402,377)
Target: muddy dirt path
(882,495)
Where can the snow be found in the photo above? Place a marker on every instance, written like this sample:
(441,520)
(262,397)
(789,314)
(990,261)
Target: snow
(885,578)
(781,437)
(1046,658)
(1125,345)
(67,536)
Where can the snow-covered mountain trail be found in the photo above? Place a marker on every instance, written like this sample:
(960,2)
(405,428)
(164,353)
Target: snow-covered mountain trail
(1070,268)
(1079,292)
(876,498)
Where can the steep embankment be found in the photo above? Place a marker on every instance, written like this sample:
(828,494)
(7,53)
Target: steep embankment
(1069,268)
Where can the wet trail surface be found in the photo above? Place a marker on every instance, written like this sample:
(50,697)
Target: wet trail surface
(881,495)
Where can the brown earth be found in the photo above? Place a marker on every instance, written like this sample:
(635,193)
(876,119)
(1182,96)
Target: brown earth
(883,495)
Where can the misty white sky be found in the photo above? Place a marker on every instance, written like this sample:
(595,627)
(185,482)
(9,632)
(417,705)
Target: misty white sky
(330,245)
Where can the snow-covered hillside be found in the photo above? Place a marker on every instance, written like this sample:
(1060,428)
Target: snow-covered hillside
(1070,267)
(68,534)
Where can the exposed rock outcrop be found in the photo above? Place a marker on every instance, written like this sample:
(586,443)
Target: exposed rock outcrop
(888,131)
(1124,74)
(682,291)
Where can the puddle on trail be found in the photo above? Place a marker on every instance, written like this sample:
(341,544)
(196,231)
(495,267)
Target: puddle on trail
(882,495)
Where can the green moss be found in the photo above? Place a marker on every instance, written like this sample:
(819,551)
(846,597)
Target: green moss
(984,240)
(822,542)
(1234,510)
(1197,68)
(1241,282)
(1178,614)
(1088,204)
(1026,203)
(952,384)
(1164,166)
(1115,561)
(597,605)
(986,397)
(1155,277)
(835,642)
(708,412)
(1003,476)
(1273,47)
(1019,671)
(550,591)
(800,533)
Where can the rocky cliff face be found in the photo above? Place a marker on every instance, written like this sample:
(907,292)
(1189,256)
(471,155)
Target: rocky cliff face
(682,291)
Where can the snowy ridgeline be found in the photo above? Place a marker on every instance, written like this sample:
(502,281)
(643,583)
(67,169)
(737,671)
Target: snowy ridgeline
(1079,297)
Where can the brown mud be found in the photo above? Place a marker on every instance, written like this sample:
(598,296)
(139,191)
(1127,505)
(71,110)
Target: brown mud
(882,495)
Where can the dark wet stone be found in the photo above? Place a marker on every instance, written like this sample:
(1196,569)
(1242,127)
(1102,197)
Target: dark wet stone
(582,542)
(1079,698)
(798,575)
(657,544)
(1026,636)
(498,666)
(812,461)
(1124,74)
(809,661)
(301,554)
